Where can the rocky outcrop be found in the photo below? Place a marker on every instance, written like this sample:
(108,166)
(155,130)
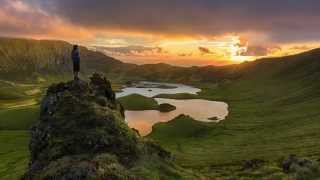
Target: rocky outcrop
(82,134)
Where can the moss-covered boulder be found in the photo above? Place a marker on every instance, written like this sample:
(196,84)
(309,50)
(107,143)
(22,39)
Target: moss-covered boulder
(82,134)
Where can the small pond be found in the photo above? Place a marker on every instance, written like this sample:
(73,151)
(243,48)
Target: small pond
(199,109)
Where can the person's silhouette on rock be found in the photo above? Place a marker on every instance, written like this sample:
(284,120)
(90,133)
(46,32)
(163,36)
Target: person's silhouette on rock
(76,61)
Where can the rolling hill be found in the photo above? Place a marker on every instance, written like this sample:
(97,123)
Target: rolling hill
(36,60)
(25,59)
(274,112)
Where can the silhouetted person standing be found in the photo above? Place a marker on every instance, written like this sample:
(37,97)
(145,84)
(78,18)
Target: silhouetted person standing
(76,61)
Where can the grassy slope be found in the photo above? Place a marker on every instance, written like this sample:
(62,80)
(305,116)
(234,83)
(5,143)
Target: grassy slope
(13,154)
(136,102)
(19,118)
(18,105)
(14,125)
(274,111)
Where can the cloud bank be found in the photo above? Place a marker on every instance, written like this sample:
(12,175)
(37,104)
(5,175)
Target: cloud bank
(283,21)
(210,31)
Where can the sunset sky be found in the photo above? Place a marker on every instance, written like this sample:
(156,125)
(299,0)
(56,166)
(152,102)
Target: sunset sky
(179,32)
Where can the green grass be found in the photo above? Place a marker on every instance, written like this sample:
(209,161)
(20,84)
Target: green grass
(18,118)
(14,154)
(269,119)
(11,92)
(14,140)
(8,94)
(19,107)
(136,102)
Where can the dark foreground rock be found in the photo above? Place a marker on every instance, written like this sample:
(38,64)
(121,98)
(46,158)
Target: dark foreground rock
(301,168)
(82,134)
(252,164)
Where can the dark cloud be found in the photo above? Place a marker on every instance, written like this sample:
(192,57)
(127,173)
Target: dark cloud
(301,48)
(285,20)
(185,54)
(205,50)
(259,50)
(256,51)
(130,50)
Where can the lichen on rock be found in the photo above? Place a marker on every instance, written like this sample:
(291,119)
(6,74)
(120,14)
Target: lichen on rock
(82,134)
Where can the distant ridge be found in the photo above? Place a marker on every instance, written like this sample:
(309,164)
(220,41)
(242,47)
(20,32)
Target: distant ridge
(26,58)
(22,59)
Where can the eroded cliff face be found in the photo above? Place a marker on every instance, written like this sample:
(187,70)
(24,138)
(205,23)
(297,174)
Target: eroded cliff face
(81,134)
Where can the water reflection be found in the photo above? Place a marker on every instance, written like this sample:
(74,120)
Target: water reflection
(200,110)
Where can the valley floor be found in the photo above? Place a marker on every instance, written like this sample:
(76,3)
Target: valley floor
(268,120)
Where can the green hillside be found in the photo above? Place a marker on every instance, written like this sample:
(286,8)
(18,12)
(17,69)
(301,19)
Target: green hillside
(47,60)
(274,112)
(25,59)
(28,60)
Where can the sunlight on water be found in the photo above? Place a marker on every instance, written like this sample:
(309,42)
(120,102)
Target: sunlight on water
(198,109)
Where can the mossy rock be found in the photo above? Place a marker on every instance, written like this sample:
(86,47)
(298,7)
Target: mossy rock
(82,134)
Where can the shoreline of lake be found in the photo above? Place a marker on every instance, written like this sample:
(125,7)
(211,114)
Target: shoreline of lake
(199,109)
